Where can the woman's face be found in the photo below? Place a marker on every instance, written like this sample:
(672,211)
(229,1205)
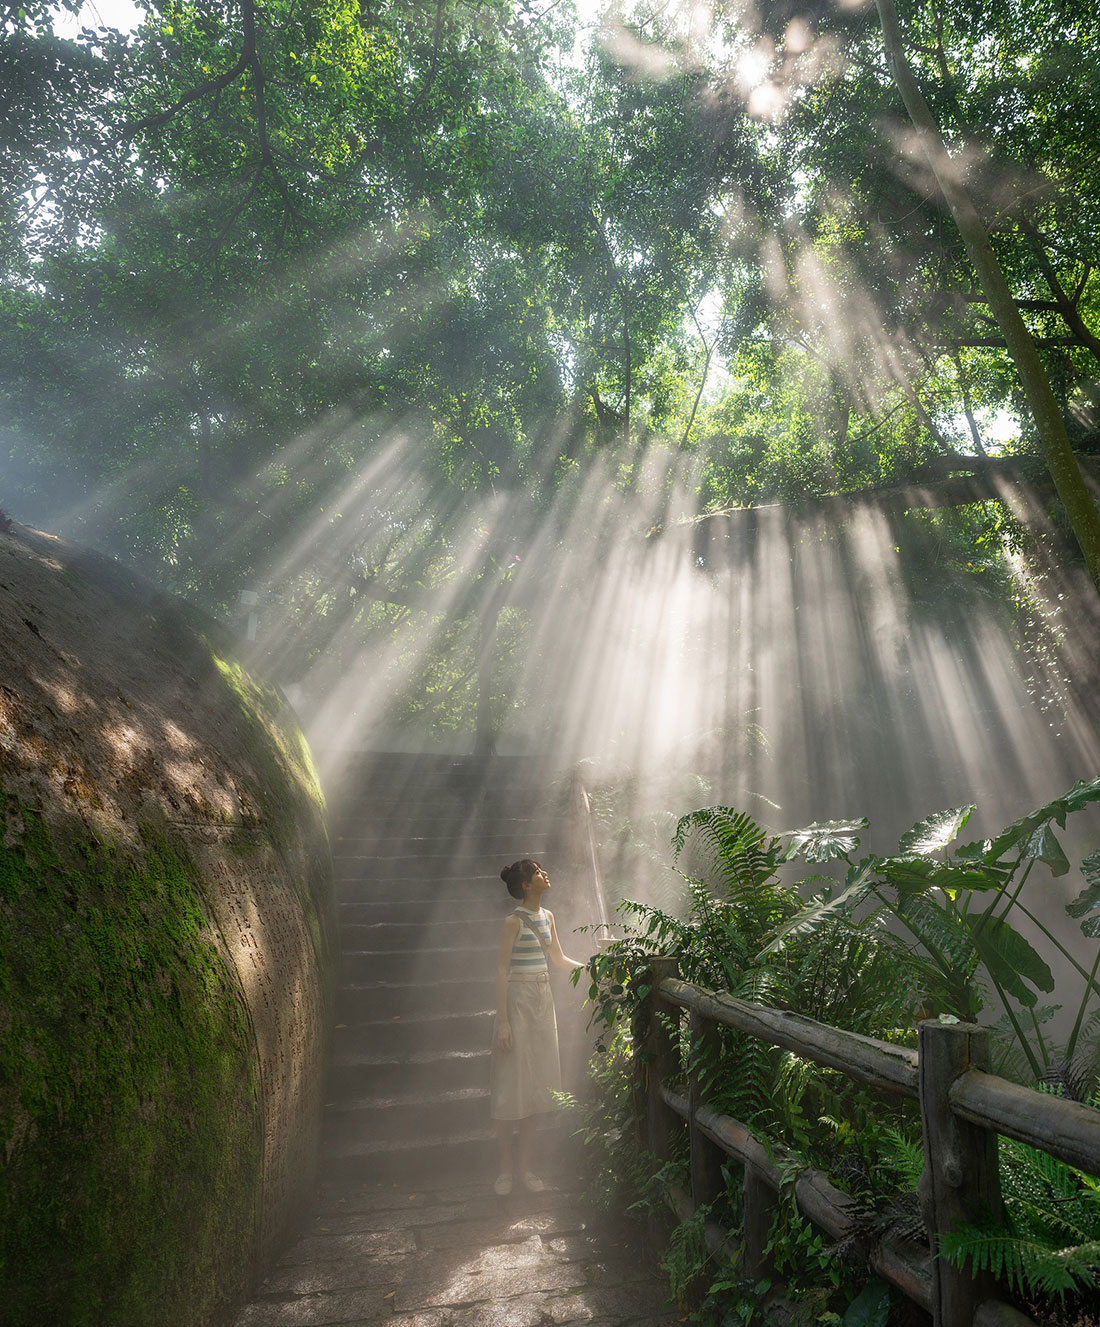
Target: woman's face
(538,884)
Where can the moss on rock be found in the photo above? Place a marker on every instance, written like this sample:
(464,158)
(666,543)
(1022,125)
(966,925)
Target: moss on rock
(129,1106)
(165,942)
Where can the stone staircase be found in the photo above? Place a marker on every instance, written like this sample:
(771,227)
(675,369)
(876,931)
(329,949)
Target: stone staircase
(418,844)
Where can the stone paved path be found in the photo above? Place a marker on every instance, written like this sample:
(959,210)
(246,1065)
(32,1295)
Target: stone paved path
(461,1257)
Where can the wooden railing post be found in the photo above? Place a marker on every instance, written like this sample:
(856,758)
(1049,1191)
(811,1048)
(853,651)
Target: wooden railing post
(960,1180)
(759,1202)
(663,1059)
(706,1157)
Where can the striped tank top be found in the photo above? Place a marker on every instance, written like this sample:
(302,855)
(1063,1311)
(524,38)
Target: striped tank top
(527,955)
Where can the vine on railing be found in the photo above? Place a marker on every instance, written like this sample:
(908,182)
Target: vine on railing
(963,1109)
(586,857)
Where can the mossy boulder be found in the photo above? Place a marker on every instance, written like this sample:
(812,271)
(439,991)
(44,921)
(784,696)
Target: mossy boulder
(165,952)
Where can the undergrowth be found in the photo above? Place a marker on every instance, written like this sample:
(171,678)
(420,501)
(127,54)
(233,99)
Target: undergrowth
(925,932)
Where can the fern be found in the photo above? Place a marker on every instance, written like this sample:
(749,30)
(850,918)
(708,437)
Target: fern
(1050,1243)
(732,846)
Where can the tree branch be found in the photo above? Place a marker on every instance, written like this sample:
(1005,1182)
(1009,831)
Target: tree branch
(1068,308)
(703,379)
(429,78)
(207,88)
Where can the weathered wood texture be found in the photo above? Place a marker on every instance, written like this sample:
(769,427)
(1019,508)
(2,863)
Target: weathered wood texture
(876,1063)
(1068,1130)
(819,1200)
(706,1158)
(960,1181)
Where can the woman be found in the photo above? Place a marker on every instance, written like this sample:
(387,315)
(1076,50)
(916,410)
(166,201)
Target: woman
(525,1067)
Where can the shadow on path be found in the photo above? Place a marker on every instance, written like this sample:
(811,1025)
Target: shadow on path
(461,1257)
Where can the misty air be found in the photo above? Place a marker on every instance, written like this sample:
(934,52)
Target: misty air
(549,689)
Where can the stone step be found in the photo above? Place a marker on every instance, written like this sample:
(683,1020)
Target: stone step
(493,829)
(421,866)
(358,1075)
(409,911)
(448,791)
(412,1115)
(377,1001)
(432,1157)
(364,887)
(454,849)
(427,929)
(399,1035)
(421,965)
(422,767)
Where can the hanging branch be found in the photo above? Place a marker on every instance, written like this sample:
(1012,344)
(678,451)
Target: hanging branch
(703,380)
(248,62)
(968,409)
(429,78)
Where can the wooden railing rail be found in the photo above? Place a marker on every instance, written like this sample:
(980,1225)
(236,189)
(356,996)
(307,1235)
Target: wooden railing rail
(877,1063)
(963,1109)
(1063,1129)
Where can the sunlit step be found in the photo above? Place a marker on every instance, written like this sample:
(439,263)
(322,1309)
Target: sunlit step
(529,838)
(402,1035)
(382,1000)
(434,930)
(368,887)
(482,911)
(358,1075)
(419,965)
(422,866)
(407,1115)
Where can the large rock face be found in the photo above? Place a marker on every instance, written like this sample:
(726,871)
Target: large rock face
(165,918)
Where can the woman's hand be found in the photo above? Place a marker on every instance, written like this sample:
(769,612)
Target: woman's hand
(504,1037)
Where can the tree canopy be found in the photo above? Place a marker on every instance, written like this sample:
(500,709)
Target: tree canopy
(253,250)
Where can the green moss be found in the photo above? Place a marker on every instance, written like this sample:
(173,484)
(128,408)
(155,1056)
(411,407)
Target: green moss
(130,1115)
(289,793)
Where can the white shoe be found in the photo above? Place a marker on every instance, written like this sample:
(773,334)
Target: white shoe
(532,1183)
(503,1185)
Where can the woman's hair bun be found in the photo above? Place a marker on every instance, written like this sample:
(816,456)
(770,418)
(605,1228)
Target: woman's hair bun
(505,874)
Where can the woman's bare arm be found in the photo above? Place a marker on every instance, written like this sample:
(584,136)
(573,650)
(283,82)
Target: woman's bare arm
(559,959)
(508,933)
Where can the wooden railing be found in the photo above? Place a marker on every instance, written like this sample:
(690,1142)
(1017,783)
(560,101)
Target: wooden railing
(963,1109)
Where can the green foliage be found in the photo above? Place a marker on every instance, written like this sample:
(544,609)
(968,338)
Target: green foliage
(1086,906)
(931,889)
(1049,1243)
(243,246)
(833,957)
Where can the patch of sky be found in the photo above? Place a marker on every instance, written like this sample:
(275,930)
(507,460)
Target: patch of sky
(122,15)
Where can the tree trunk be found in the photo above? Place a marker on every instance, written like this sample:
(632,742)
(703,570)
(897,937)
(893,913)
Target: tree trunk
(1080,510)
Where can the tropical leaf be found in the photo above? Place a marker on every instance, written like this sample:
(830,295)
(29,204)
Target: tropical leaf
(935,832)
(918,874)
(1009,959)
(871,1307)
(977,851)
(949,944)
(1022,831)
(1043,845)
(824,840)
(824,907)
(1087,904)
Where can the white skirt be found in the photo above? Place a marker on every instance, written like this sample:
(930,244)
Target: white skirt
(523,1078)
